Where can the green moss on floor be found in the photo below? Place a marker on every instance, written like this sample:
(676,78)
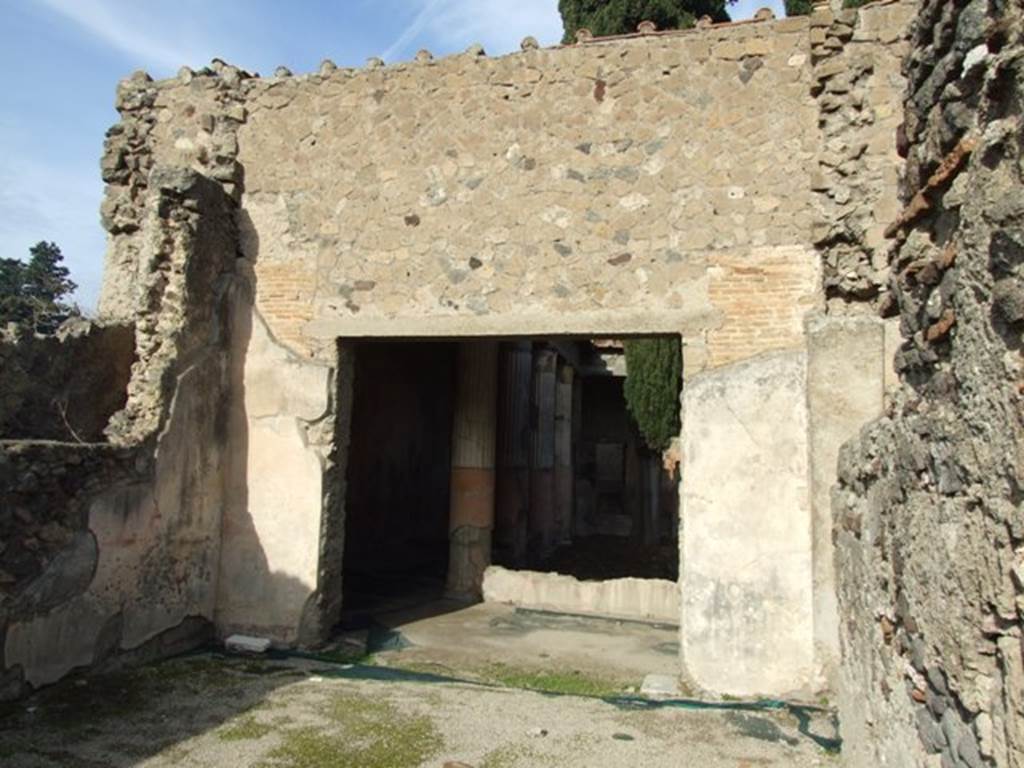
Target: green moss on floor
(365,732)
(573,683)
(78,708)
(75,704)
(344,655)
(422,667)
(246,729)
(508,757)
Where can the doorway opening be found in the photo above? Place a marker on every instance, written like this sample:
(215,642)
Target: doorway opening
(398,473)
(525,453)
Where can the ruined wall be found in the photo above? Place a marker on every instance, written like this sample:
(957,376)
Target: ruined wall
(858,84)
(930,539)
(666,183)
(636,179)
(67,386)
(586,183)
(280,420)
(110,549)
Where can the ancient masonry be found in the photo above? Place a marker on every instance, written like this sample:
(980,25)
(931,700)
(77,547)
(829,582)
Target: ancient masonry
(738,185)
(930,544)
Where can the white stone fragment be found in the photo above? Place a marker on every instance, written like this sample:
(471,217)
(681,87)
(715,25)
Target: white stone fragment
(247,644)
(633,202)
(661,686)
(975,56)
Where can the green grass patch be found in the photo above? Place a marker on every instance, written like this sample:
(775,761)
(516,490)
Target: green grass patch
(573,683)
(74,705)
(368,733)
(344,654)
(508,757)
(247,729)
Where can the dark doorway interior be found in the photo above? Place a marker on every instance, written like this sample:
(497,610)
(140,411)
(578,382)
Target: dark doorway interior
(396,508)
(576,489)
(613,500)
(618,529)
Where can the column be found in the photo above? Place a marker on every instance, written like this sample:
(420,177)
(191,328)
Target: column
(513,481)
(471,515)
(578,458)
(563,453)
(542,455)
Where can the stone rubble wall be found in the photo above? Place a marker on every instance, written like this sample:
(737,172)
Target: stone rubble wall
(109,551)
(858,84)
(584,182)
(656,178)
(684,174)
(67,386)
(930,534)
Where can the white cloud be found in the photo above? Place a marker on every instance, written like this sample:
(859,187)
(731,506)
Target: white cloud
(413,29)
(113,26)
(499,25)
(42,202)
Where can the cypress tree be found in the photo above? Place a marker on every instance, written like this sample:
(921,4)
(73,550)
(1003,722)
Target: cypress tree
(798,7)
(34,294)
(654,377)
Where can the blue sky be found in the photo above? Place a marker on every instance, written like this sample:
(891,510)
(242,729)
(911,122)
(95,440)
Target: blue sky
(63,59)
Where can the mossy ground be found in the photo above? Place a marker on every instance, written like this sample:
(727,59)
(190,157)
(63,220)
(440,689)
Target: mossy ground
(541,679)
(508,756)
(210,710)
(128,712)
(572,683)
(364,732)
(244,730)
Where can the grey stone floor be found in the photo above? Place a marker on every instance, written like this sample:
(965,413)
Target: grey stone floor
(527,701)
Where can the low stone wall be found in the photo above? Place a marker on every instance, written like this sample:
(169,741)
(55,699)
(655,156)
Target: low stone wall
(653,600)
(67,386)
(110,551)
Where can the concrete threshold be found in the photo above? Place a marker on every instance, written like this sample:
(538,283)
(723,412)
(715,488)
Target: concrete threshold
(649,600)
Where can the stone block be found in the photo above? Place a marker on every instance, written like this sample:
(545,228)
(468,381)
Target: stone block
(741,501)
(639,599)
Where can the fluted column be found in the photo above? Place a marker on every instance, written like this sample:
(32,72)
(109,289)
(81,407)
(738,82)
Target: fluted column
(563,453)
(471,515)
(542,455)
(515,370)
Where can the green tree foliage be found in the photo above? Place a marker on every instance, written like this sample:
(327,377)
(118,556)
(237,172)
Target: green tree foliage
(33,295)
(619,17)
(654,378)
(804,7)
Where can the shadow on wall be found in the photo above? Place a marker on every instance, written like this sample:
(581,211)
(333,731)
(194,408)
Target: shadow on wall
(270,541)
(112,552)
(64,387)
